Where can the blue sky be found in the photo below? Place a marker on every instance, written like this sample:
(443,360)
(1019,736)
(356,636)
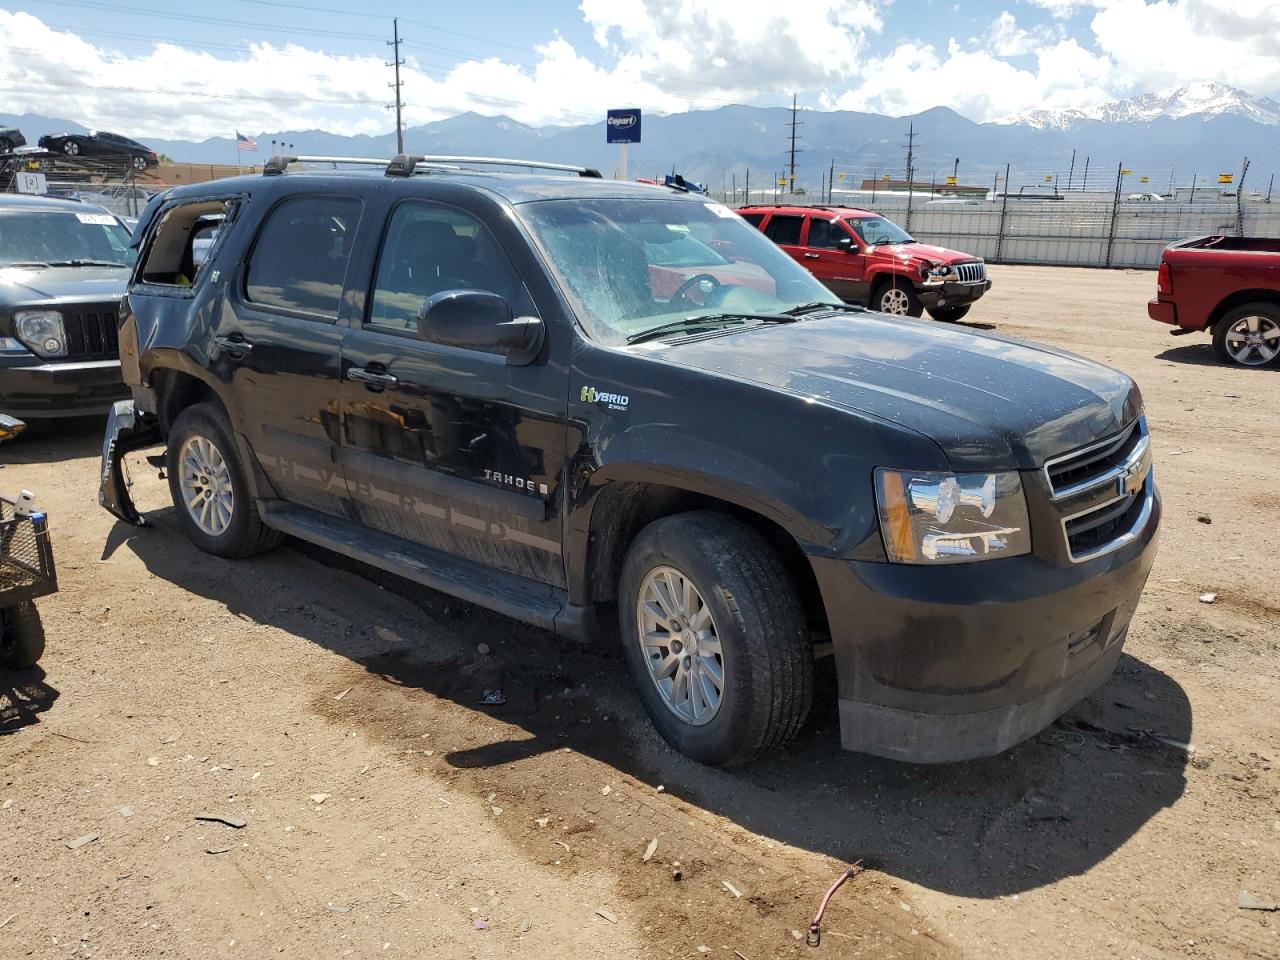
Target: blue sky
(270,64)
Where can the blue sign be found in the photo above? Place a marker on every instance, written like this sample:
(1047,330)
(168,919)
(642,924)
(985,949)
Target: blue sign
(622,126)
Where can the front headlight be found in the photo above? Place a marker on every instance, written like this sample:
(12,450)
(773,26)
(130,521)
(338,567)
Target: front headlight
(951,518)
(42,331)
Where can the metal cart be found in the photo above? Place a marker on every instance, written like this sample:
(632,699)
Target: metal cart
(26,572)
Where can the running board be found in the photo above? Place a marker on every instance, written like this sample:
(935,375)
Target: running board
(517,597)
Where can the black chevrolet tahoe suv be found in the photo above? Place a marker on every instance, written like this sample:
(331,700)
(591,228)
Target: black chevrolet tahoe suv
(568,399)
(63,268)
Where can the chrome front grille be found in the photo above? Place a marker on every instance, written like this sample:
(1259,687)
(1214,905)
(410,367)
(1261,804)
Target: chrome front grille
(92,333)
(971,272)
(1104,492)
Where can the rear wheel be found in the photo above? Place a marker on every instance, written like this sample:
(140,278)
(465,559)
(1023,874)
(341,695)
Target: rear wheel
(949,314)
(139,163)
(715,638)
(1249,335)
(6,145)
(207,482)
(70,148)
(21,636)
(897,298)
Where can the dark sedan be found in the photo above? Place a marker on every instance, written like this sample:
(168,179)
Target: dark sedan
(100,144)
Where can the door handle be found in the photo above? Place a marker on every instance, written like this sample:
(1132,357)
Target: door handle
(236,344)
(811,256)
(372,378)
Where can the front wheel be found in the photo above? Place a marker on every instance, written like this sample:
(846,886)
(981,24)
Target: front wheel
(715,638)
(70,148)
(207,482)
(21,636)
(949,314)
(1249,335)
(897,297)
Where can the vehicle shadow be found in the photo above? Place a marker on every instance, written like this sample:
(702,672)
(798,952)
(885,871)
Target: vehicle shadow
(24,695)
(1052,807)
(1202,355)
(51,441)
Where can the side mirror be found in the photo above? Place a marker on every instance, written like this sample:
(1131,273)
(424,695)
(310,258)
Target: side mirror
(478,320)
(847,244)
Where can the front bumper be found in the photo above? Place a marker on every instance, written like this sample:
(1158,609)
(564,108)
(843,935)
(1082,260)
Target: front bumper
(32,389)
(951,294)
(939,664)
(126,430)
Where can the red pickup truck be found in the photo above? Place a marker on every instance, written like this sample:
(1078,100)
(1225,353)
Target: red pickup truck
(1229,286)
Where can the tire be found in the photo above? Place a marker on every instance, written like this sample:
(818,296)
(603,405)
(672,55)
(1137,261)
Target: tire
(949,314)
(21,636)
(6,145)
(765,658)
(897,298)
(71,148)
(139,163)
(1256,331)
(203,456)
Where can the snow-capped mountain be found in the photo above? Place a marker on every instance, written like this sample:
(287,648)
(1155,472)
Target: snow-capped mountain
(1204,100)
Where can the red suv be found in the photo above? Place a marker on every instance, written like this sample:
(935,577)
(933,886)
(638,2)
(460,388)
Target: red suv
(864,258)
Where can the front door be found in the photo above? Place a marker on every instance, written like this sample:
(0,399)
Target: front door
(840,269)
(279,345)
(450,448)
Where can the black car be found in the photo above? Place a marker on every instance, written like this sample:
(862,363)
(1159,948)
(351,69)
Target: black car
(516,389)
(99,144)
(10,139)
(63,268)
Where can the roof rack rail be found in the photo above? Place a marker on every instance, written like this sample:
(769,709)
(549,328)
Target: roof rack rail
(404,164)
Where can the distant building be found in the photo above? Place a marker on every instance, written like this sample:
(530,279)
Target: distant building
(924,186)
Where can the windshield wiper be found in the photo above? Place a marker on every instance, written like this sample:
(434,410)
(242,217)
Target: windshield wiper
(85,263)
(24,263)
(707,320)
(815,306)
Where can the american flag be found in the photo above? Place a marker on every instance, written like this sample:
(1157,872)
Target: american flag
(244,143)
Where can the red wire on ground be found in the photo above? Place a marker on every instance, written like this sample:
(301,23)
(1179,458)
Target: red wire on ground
(815,928)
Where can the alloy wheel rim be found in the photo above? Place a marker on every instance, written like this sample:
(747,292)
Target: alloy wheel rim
(894,301)
(205,481)
(680,645)
(1254,341)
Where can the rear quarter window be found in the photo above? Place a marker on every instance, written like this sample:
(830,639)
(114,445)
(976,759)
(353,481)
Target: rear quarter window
(784,229)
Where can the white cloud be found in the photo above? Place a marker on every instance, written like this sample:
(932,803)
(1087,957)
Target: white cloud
(662,55)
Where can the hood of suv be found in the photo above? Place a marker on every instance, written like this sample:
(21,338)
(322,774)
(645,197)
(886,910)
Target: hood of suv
(917,252)
(987,401)
(23,286)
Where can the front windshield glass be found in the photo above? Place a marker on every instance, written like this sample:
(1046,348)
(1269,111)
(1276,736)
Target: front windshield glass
(876,230)
(630,266)
(57,236)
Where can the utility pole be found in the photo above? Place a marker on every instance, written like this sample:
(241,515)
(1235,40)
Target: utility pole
(1072,172)
(1085,184)
(911,144)
(831,175)
(794,123)
(397,63)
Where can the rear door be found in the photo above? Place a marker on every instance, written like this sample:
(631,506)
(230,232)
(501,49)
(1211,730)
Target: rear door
(840,270)
(279,345)
(452,448)
(785,229)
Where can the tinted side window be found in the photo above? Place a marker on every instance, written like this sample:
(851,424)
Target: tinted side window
(784,229)
(300,257)
(824,233)
(754,219)
(430,248)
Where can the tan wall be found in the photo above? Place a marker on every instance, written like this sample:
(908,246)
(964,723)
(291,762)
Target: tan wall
(173,174)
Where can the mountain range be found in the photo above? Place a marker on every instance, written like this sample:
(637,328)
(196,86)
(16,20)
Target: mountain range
(1200,128)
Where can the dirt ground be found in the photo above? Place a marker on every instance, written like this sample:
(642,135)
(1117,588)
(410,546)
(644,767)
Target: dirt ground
(389,813)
